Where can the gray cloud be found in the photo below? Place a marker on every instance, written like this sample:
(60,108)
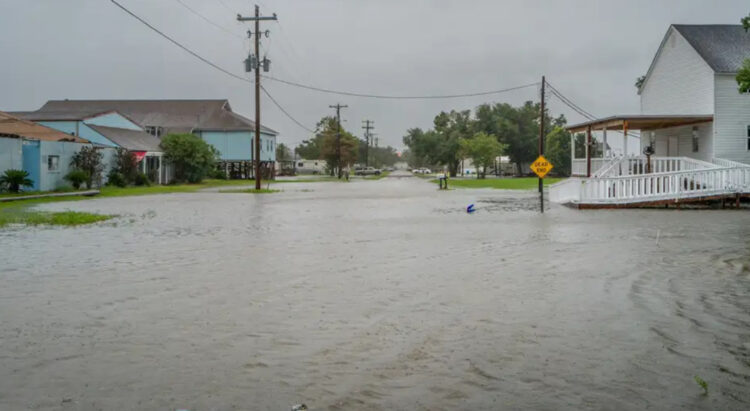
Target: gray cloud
(591,50)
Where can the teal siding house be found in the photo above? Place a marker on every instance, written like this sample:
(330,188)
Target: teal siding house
(212,120)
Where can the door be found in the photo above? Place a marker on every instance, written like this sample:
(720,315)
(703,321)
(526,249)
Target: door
(32,162)
(673,147)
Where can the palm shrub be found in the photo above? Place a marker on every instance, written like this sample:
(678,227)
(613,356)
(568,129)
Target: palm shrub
(14,179)
(77,178)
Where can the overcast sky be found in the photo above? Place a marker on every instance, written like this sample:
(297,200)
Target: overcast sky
(592,51)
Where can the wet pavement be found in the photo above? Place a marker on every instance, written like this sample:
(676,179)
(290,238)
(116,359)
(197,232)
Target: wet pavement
(375,295)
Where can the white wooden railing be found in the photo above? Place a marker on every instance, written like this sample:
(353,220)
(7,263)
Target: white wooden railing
(625,181)
(579,167)
(667,185)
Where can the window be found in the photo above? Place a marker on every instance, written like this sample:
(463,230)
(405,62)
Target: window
(53,163)
(695,140)
(154,130)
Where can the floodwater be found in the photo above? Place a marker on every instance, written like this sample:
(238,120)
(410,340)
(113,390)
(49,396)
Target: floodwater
(375,295)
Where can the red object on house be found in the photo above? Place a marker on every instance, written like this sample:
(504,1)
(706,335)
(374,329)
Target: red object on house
(139,155)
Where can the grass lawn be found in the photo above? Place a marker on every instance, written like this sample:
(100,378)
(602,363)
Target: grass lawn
(521,183)
(309,180)
(384,174)
(17,212)
(250,191)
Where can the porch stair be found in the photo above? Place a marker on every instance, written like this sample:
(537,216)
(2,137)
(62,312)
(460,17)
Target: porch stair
(625,182)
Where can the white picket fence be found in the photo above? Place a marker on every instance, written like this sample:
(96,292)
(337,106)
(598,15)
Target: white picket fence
(626,181)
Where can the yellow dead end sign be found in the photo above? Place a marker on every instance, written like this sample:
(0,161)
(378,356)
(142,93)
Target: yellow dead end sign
(541,166)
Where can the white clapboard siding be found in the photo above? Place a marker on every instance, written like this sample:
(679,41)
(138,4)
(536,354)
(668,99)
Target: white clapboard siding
(680,81)
(731,118)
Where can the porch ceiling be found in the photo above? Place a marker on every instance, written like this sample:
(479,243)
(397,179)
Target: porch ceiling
(640,122)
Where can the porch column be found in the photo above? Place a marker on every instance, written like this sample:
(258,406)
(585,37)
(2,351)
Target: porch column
(625,137)
(572,152)
(604,145)
(160,170)
(588,151)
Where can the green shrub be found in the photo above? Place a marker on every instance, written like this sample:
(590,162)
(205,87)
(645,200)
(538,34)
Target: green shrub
(77,178)
(116,179)
(13,180)
(89,159)
(141,179)
(219,175)
(193,159)
(126,165)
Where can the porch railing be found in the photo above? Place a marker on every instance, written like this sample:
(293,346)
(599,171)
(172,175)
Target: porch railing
(665,185)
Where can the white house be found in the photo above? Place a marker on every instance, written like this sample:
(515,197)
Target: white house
(694,123)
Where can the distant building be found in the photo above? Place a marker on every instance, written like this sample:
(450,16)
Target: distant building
(213,120)
(311,166)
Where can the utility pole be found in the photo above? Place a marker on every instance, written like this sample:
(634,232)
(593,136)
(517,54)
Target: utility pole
(541,148)
(253,63)
(338,108)
(368,126)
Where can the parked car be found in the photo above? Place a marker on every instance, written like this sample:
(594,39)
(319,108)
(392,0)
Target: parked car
(367,171)
(421,171)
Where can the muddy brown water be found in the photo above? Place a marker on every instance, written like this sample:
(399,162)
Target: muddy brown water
(375,295)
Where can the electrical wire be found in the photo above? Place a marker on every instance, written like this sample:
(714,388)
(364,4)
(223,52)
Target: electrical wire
(284,111)
(394,97)
(211,22)
(176,43)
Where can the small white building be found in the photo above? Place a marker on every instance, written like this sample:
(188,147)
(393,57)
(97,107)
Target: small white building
(310,166)
(694,123)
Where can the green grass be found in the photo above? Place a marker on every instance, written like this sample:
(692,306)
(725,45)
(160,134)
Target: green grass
(251,191)
(521,183)
(310,180)
(33,193)
(19,212)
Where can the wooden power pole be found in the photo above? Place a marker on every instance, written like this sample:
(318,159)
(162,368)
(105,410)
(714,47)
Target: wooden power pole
(338,108)
(255,64)
(541,147)
(368,126)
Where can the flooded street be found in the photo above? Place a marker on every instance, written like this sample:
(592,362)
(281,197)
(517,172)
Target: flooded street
(375,295)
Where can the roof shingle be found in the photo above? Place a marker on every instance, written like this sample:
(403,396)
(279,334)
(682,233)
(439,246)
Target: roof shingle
(723,46)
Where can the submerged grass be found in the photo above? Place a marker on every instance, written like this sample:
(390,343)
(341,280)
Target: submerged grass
(251,191)
(521,183)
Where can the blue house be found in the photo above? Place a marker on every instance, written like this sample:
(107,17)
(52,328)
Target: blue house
(107,129)
(43,152)
(213,120)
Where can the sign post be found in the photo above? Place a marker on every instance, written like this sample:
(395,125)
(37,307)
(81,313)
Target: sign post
(541,167)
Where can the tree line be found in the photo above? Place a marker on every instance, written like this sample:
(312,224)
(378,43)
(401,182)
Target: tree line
(492,130)
(323,146)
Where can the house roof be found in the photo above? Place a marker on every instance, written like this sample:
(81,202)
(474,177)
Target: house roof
(172,115)
(723,46)
(12,126)
(133,140)
(640,122)
(64,115)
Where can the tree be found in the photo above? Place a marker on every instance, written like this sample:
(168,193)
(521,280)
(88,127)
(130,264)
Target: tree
(283,153)
(310,149)
(13,180)
(518,128)
(193,159)
(557,150)
(422,147)
(450,128)
(743,75)
(327,136)
(126,165)
(88,159)
(482,149)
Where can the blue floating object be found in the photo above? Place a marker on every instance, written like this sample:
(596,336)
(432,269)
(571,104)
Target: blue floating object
(470,209)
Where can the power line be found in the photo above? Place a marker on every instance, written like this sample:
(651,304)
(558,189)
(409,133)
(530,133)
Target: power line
(176,43)
(207,20)
(393,97)
(284,111)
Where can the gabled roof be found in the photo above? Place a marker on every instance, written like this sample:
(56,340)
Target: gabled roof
(11,126)
(723,46)
(172,115)
(133,140)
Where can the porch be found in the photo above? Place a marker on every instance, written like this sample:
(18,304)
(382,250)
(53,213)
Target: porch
(677,165)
